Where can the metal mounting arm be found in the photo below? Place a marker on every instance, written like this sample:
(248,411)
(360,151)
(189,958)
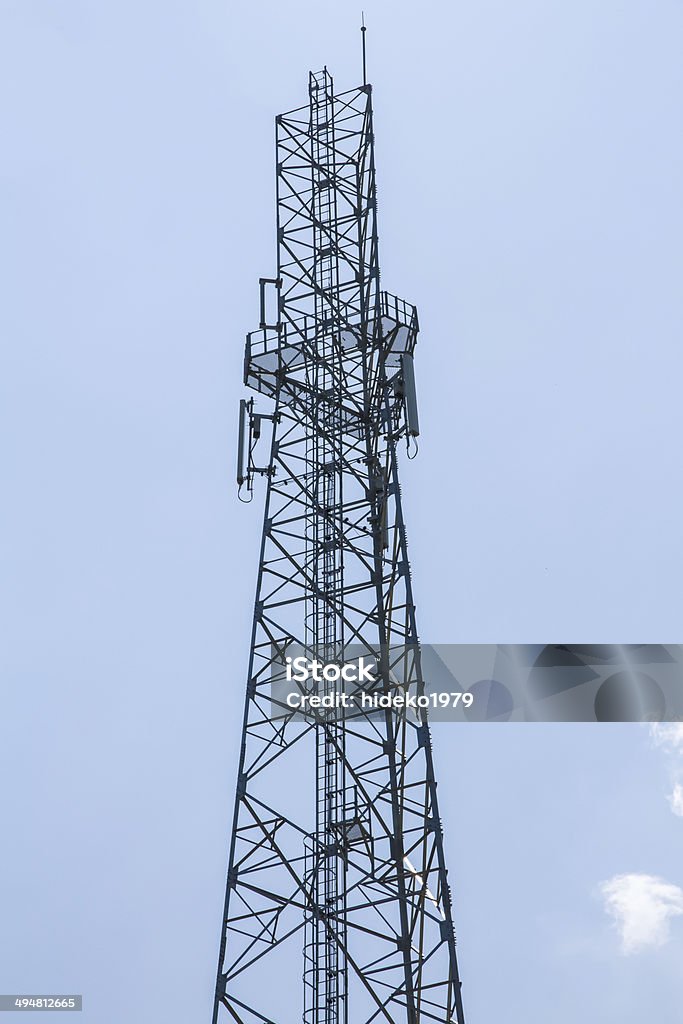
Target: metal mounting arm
(263,281)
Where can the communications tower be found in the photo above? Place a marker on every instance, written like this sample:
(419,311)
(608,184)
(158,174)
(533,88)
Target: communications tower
(337,909)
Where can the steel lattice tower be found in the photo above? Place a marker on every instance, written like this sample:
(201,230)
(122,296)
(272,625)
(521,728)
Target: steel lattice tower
(337,907)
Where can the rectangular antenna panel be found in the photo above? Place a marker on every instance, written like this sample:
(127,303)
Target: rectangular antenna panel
(410,394)
(242,455)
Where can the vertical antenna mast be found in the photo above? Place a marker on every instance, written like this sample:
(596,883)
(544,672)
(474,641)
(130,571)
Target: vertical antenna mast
(363,31)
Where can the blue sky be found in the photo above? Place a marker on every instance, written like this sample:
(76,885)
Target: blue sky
(529,168)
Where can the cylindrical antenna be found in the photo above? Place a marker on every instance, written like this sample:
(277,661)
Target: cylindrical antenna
(362,31)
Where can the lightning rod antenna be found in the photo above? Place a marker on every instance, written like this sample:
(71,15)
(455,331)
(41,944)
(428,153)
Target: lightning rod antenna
(363,31)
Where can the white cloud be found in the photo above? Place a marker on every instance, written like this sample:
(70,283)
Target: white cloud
(642,907)
(676,800)
(668,735)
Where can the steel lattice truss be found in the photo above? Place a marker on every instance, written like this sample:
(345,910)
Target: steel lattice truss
(337,905)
